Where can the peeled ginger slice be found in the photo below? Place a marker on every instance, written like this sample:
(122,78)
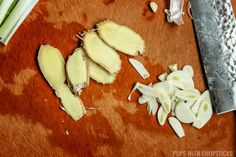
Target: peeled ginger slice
(121,38)
(99,74)
(101,53)
(52,65)
(70,103)
(77,70)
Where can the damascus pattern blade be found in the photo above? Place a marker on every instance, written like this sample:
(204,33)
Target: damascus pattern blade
(215,27)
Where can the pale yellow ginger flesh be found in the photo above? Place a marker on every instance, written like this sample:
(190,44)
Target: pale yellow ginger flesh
(99,74)
(77,70)
(101,53)
(71,104)
(52,65)
(121,37)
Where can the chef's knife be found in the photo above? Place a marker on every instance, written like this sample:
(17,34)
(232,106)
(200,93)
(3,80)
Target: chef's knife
(215,27)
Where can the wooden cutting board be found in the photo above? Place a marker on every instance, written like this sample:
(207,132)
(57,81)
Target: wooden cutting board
(31,122)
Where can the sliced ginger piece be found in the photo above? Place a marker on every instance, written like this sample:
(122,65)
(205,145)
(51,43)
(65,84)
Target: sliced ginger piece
(52,65)
(99,74)
(121,37)
(71,104)
(77,70)
(101,53)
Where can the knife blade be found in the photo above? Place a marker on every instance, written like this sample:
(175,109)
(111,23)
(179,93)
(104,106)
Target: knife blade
(215,27)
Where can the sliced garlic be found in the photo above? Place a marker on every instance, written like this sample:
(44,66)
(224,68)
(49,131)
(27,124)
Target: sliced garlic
(143,99)
(196,105)
(161,116)
(99,74)
(153,6)
(181,80)
(187,95)
(162,77)
(139,67)
(189,70)
(121,38)
(177,127)
(167,87)
(77,70)
(152,106)
(173,105)
(158,93)
(52,65)
(174,14)
(101,53)
(173,67)
(183,113)
(204,114)
(70,103)
(137,84)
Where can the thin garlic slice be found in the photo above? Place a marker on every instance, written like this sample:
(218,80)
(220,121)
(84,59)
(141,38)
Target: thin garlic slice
(121,38)
(152,106)
(167,87)
(176,126)
(101,53)
(77,70)
(173,105)
(189,70)
(181,80)
(183,113)
(139,67)
(153,6)
(204,114)
(158,93)
(143,99)
(196,105)
(187,95)
(173,67)
(161,116)
(52,65)
(162,77)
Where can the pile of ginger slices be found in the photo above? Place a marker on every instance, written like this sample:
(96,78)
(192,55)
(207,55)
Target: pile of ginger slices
(97,59)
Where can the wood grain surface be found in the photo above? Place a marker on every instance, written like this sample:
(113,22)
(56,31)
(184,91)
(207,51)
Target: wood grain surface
(31,122)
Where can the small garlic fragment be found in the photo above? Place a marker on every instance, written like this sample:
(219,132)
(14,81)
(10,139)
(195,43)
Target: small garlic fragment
(189,70)
(153,6)
(173,67)
(139,67)
(162,77)
(152,106)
